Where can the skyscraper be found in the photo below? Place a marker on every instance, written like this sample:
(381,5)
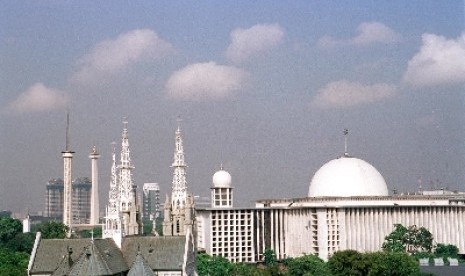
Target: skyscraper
(150,201)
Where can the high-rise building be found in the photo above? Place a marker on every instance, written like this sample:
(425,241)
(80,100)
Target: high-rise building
(150,201)
(179,211)
(80,199)
(54,199)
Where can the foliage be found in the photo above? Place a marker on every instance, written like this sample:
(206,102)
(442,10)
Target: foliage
(213,266)
(446,250)
(269,257)
(391,264)
(9,228)
(347,263)
(53,230)
(22,242)
(13,263)
(241,269)
(411,239)
(307,265)
(96,232)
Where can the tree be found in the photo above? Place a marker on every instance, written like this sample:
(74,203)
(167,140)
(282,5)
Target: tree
(307,265)
(53,230)
(13,263)
(411,239)
(95,232)
(391,264)
(446,250)
(347,263)
(213,265)
(269,257)
(9,228)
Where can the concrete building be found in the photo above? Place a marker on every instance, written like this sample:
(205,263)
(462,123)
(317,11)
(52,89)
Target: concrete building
(80,199)
(150,201)
(347,207)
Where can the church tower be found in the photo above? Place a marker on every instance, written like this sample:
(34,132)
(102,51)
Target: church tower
(123,212)
(128,200)
(179,211)
(112,226)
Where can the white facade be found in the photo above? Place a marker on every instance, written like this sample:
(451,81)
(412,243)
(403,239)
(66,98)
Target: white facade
(332,221)
(94,202)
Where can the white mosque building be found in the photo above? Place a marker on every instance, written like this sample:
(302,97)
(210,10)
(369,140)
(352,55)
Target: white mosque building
(347,207)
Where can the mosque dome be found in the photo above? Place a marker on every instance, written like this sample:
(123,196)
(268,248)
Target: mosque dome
(347,176)
(222,179)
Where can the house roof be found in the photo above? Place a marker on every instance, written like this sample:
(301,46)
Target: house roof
(140,267)
(57,256)
(161,253)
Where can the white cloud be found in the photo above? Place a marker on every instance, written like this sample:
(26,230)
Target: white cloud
(111,56)
(39,98)
(367,33)
(341,94)
(248,42)
(203,81)
(439,61)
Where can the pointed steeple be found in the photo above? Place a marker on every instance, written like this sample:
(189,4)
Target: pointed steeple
(127,188)
(113,201)
(179,185)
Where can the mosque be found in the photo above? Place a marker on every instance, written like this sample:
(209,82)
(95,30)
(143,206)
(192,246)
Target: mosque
(347,207)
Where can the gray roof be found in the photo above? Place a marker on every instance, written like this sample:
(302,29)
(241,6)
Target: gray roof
(58,255)
(140,267)
(161,253)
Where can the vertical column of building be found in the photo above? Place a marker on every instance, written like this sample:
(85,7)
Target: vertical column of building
(95,207)
(67,155)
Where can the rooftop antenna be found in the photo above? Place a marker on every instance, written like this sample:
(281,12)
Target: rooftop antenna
(346,132)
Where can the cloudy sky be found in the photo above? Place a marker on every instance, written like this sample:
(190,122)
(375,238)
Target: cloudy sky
(265,88)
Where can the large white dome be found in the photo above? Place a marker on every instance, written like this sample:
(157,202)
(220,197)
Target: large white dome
(347,176)
(222,179)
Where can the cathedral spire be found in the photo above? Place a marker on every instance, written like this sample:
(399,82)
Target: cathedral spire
(127,188)
(113,202)
(179,187)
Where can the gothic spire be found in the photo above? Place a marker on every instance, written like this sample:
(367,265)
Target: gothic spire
(127,189)
(179,187)
(114,189)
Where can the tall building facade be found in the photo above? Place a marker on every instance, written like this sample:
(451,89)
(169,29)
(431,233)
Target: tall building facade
(123,211)
(150,201)
(80,199)
(348,207)
(179,210)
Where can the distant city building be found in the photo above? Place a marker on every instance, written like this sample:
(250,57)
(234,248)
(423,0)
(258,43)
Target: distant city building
(150,201)
(81,189)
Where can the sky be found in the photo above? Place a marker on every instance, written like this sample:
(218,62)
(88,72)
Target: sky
(265,88)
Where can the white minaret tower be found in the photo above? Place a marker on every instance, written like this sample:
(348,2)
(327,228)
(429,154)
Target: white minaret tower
(67,192)
(221,192)
(179,186)
(112,226)
(94,203)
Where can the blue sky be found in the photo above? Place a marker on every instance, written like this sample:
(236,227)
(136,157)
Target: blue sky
(264,87)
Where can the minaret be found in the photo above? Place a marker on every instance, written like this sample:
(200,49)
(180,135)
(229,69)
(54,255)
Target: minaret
(179,185)
(67,192)
(128,198)
(94,204)
(112,226)
(346,153)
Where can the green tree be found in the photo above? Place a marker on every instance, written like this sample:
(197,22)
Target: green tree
(307,265)
(9,228)
(446,250)
(95,232)
(13,263)
(411,239)
(53,230)
(391,264)
(242,269)
(213,265)
(22,242)
(396,240)
(347,263)
(269,257)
